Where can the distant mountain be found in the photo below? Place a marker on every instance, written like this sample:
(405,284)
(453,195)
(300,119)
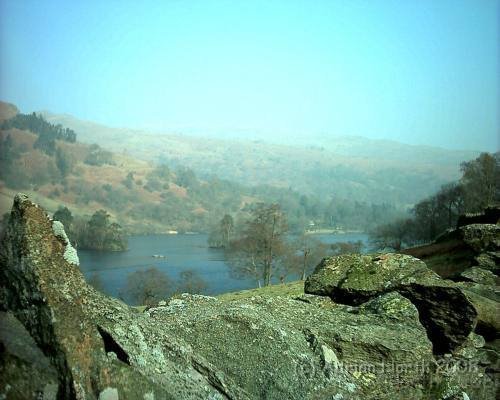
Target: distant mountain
(356,168)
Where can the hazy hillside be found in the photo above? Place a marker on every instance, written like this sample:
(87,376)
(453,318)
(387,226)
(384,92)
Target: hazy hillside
(346,167)
(7,110)
(157,183)
(48,162)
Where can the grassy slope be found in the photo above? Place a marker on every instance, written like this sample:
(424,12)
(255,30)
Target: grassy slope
(92,176)
(295,288)
(286,289)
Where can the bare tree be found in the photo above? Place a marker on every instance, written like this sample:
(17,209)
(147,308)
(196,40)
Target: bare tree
(481,180)
(304,254)
(394,235)
(191,282)
(261,245)
(347,247)
(451,199)
(242,258)
(147,287)
(221,235)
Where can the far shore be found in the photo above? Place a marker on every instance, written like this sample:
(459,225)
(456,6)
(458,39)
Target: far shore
(332,232)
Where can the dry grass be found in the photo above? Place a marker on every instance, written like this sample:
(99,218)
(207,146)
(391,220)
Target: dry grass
(286,289)
(295,288)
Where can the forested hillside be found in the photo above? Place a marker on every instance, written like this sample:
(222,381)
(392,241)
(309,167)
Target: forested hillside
(48,162)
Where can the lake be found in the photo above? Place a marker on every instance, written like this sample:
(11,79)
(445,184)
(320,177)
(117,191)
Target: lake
(183,252)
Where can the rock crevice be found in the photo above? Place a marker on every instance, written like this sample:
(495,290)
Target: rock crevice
(80,344)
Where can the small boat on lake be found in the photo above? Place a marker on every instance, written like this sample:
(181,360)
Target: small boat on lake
(158,256)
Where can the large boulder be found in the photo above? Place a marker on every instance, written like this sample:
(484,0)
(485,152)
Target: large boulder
(354,279)
(98,346)
(307,347)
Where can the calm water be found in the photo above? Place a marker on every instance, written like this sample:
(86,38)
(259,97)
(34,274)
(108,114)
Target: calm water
(182,252)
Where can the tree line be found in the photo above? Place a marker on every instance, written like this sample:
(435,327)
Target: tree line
(47,133)
(478,188)
(22,167)
(97,233)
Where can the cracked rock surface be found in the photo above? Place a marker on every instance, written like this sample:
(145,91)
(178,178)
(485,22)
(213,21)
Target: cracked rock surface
(446,312)
(61,339)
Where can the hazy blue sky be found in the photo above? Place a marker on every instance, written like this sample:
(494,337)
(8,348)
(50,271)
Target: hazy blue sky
(417,71)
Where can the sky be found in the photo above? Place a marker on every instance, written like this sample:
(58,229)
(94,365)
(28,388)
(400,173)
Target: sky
(415,71)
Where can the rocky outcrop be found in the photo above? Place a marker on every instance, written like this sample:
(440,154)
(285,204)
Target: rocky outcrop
(452,312)
(475,243)
(306,347)
(62,339)
(354,279)
(491,215)
(479,275)
(98,346)
(25,372)
(484,240)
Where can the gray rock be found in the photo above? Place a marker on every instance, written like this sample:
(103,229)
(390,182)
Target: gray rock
(199,347)
(489,261)
(354,279)
(77,326)
(488,311)
(479,275)
(109,393)
(481,237)
(294,349)
(25,372)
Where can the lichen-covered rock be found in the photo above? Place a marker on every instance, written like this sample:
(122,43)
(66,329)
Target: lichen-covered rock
(392,306)
(354,279)
(97,345)
(460,372)
(448,315)
(70,254)
(489,260)
(475,243)
(486,301)
(89,346)
(484,240)
(481,237)
(285,348)
(488,311)
(491,292)
(479,275)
